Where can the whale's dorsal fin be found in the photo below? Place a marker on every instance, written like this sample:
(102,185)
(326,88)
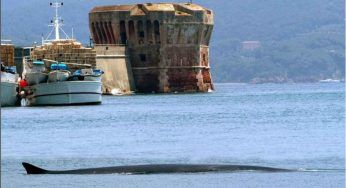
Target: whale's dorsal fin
(31,169)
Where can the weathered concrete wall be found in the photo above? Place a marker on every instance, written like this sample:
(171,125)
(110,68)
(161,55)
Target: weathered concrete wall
(167,44)
(118,76)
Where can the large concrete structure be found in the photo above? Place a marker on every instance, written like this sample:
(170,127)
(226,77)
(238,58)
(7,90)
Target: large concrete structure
(167,44)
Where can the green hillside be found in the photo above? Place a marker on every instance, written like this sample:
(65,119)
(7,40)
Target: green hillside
(300,41)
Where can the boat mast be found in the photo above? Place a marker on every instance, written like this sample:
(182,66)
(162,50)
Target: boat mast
(56,20)
(56,23)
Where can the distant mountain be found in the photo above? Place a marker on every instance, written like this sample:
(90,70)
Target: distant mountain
(295,40)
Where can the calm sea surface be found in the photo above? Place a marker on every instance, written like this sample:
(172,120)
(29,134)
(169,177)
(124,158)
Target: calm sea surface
(293,126)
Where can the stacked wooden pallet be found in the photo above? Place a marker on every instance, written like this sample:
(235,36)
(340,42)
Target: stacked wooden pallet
(7,54)
(65,51)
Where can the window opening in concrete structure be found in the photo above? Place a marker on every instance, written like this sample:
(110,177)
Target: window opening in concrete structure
(149,32)
(123,36)
(180,39)
(131,31)
(93,27)
(140,32)
(142,57)
(105,40)
(108,34)
(157,32)
(111,32)
(205,35)
(99,33)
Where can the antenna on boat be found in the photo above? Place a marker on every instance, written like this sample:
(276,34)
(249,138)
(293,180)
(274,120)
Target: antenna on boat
(56,23)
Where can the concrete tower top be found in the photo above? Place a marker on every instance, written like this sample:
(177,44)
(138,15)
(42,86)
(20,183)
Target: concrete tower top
(182,8)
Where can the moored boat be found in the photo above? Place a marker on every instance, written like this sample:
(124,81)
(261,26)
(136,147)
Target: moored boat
(60,89)
(8,87)
(65,93)
(51,81)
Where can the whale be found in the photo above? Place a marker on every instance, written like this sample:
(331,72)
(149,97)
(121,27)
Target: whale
(156,169)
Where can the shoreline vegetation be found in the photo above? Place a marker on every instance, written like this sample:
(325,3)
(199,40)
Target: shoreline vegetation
(293,41)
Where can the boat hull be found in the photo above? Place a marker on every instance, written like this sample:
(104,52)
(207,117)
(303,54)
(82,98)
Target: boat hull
(8,94)
(65,93)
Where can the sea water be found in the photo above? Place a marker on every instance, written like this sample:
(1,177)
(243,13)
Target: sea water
(294,126)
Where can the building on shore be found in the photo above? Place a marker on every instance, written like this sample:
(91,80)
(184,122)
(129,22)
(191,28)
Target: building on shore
(153,47)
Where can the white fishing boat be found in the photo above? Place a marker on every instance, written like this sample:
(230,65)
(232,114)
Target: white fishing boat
(65,93)
(8,87)
(62,89)
(52,83)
